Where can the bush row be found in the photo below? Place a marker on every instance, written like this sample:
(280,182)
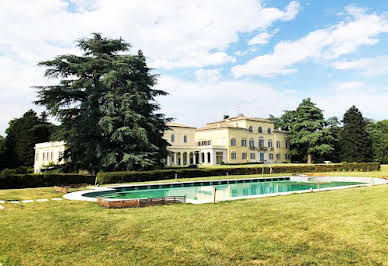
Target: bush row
(132,176)
(11,180)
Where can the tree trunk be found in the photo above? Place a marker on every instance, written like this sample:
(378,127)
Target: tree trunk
(309,158)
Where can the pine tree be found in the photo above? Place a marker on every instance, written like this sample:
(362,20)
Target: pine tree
(106,104)
(355,143)
(309,135)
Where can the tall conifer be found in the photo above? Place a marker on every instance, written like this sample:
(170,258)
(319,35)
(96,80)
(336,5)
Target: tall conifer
(308,134)
(105,101)
(354,138)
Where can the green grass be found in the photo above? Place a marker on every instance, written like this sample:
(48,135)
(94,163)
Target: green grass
(383,173)
(29,193)
(334,227)
(32,193)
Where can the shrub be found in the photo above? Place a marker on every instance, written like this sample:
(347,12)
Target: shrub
(133,176)
(9,179)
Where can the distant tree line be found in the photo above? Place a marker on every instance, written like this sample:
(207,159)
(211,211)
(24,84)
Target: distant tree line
(353,138)
(17,147)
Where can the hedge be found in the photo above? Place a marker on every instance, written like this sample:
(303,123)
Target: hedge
(133,176)
(11,181)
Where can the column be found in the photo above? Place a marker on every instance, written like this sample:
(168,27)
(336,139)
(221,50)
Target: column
(174,159)
(181,158)
(187,158)
(211,157)
(168,160)
(194,159)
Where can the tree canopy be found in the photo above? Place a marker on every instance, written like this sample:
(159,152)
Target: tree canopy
(106,104)
(309,135)
(355,143)
(378,132)
(17,148)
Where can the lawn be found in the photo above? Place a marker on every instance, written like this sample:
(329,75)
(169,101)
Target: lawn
(334,227)
(31,193)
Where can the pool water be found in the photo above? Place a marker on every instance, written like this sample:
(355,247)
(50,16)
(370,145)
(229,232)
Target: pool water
(201,192)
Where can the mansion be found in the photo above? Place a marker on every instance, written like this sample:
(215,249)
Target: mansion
(232,140)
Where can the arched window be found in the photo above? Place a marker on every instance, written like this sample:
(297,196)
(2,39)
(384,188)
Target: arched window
(270,143)
(269,131)
(250,129)
(260,130)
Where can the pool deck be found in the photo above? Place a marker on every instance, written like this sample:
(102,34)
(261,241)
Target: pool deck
(368,181)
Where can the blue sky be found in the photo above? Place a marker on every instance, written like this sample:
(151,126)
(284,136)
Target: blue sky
(214,57)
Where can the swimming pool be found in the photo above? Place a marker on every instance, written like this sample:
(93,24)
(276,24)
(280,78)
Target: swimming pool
(205,191)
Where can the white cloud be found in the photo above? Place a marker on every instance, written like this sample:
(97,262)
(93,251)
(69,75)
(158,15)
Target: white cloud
(209,101)
(209,75)
(197,103)
(172,34)
(371,104)
(187,33)
(262,38)
(359,28)
(349,85)
(371,66)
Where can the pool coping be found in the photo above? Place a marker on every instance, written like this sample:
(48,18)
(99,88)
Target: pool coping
(368,181)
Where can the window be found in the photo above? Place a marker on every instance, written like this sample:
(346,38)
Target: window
(260,130)
(251,143)
(278,156)
(250,129)
(269,131)
(233,142)
(252,155)
(184,139)
(37,156)
(233,156)
(244,142)
(270,143)
(286,156)
(287,144)
(199,143)
(271,156)
(261,142)
(278,144)
(172,138)
(244,156)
